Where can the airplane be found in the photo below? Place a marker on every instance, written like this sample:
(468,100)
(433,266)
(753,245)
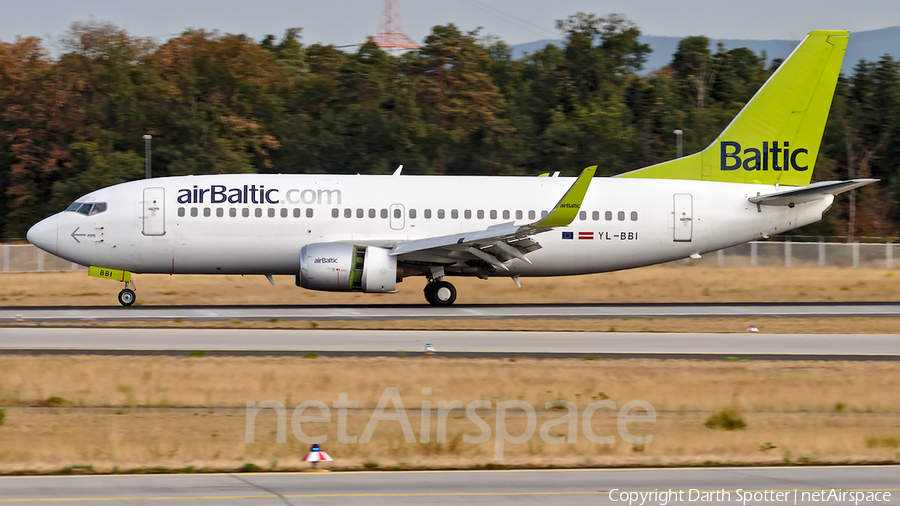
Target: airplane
(368,232)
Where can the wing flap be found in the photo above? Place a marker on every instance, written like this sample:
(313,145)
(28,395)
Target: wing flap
(456,241)
(562,215)
(497,244)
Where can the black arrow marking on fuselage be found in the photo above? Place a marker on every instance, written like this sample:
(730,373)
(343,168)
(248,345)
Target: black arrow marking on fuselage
(78,235)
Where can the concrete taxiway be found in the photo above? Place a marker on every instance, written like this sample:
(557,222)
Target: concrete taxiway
(426,312)
(880,485)
(475,343)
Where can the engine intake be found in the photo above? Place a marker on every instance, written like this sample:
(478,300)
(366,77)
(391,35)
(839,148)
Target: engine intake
(336,267)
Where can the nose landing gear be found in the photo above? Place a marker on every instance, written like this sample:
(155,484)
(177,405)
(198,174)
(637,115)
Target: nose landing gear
(440,293)
(127,295)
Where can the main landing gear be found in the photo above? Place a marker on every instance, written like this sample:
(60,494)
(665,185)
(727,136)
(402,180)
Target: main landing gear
(440,293)
(127,296)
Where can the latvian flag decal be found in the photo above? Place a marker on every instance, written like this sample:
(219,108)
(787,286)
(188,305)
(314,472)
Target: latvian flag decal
(568,235)
(585,235)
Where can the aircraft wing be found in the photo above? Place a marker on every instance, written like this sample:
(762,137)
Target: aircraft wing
(498,243)
(809,193)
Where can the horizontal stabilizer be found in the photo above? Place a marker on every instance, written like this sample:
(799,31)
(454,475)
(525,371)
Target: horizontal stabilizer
(809,193)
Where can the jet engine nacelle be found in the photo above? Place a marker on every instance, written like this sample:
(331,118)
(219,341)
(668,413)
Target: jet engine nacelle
(336,267)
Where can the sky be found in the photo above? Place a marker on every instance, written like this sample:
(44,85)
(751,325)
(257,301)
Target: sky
(346,22)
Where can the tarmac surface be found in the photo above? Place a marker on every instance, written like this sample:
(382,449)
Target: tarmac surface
(149,341)
(427,312)
(781,485)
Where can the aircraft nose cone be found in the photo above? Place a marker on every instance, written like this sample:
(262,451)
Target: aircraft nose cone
(43,235)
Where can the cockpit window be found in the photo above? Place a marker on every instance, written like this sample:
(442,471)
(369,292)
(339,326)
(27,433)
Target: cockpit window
(87,209)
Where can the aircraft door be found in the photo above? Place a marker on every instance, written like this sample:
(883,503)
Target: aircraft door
(683,215)
(398,218)
(154,215)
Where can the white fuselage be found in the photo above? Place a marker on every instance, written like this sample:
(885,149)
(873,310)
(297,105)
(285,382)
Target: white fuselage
(211,224)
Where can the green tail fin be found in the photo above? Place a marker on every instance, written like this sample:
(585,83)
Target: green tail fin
(776,136)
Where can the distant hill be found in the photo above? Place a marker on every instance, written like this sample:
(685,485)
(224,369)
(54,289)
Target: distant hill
(870,45)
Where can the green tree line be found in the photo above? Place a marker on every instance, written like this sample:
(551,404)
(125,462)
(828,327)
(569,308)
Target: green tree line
(223,103)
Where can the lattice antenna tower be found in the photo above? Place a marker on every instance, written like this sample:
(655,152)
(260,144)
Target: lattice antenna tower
(391,37)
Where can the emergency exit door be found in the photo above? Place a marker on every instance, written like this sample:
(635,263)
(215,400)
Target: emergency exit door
(684,215)
(154,214)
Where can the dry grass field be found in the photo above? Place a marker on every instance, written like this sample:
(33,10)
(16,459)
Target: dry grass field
(125,441)
(229,382)
(666,283)
(143,412)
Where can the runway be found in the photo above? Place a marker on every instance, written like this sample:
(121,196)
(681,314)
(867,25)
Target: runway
(589,486)
(448,343)
(456,312)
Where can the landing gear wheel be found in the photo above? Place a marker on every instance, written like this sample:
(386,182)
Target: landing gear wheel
(444,294)
(127,297)
(429,293)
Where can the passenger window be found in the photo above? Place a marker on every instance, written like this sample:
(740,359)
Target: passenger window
(530,215)
(582,215)
(468,214)
(258,212)
(493,215)
(284,212)
(397,213)
(505,215)
(309,213)
(360,213)
(440,214)
(348,213)
(99,207)
(519,215)
(373,213)
(271,212)
(193,212)
(544,214)
(220,212)
(245,212)
(454,214)
(480,214)
(608,215)
(335,213)
(384,214)
(232,212)
(181,212)
(412,214)
(621,215)
(595,215)
(297,212)
(633,215)
(206,212)
(427,213)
